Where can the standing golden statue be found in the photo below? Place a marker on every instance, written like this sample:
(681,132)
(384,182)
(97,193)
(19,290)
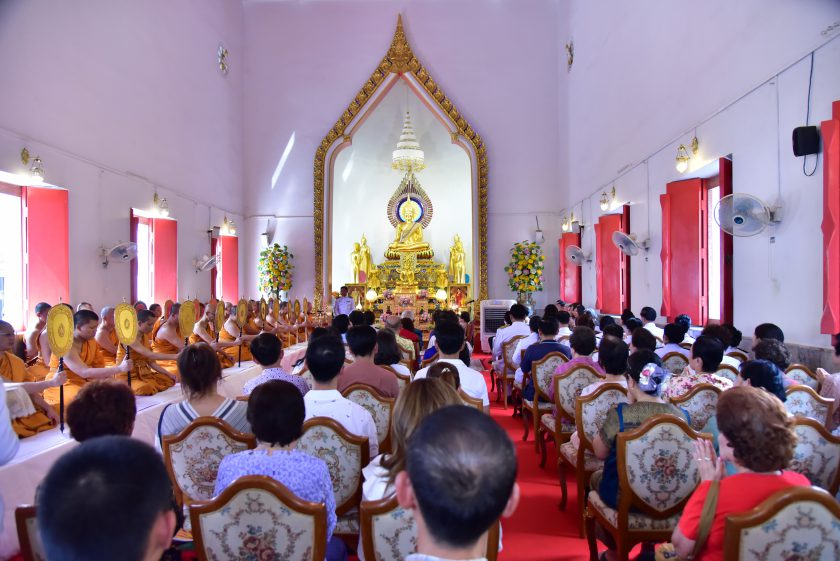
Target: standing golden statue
(365,263)
(356,259)
(457,262)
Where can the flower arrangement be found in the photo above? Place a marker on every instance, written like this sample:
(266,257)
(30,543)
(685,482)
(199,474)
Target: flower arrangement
(525,270)
(388,294)
(275,269)
(405,301)
(423,294)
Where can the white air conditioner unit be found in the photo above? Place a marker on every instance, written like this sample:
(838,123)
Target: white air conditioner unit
(492,318)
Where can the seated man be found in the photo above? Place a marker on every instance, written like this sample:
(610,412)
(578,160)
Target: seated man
(83,362)
(524,343)
(205,331)
(362,342)
(460,478)
(356,317)
(723,335)
(768,331)
(106,336)
(109,498)
(449,342)
(706,354)
(13,369)
(648,316)
(147,376)
(583,351)
(585,343)
(341,323)
(518,326)
(231,332)
(325,357)
(167,338)
(642,340)
(37,344)
(674,335)
(564,318)
(268,353)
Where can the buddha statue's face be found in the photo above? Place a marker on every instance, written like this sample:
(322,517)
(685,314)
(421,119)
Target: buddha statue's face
(355,247)
(364,240)
(409,213)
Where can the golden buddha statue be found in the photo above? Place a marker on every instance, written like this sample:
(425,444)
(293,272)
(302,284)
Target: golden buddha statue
(457,267)
(409,234)
(355,259)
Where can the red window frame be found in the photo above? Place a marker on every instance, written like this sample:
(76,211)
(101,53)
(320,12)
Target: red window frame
(227,248)
(830,321)
(164,254)
(612,266)
(570,275)
(46,221)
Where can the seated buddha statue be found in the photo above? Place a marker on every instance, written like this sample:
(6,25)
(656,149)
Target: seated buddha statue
(409,237)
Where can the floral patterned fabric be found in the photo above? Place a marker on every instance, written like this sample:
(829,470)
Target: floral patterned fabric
(802,404)
(800,376)
(635,521)
(678,386)
(570,452)
(701,407)
(815,457)
(544,372)
(727,373)
(381,411)
(393,535)
(802,531)
(570,386)
(550,422)
(594,413)
(674,362)
(256,526)
(343,459)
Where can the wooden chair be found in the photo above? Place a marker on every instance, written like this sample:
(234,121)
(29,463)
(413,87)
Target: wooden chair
(508,369)
(657,475)
(590,413)
(803,401)
(402,379)
(803,375)
(26,520)
(471,401)
(388,532)
(794,523)
(700,402)
(381,408)
(192,457)
(741,356)
(674,362)
(410,364)
(563,339)
(686,346)
(728,371)
(426,362)
(345,455)
(817,454)
(258,517)
(307,375)
(542,372)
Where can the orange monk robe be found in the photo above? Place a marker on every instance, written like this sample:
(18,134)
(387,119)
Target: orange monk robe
(163,346)
(233,352)
(90,354)
(108,358)
(224,359)
(38,369)
(13,369)
(144,379)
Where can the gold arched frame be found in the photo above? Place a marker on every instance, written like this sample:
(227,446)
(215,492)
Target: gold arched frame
(399,63)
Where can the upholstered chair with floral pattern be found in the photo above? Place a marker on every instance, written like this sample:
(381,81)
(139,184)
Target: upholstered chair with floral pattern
(381,408)
(801,374)
(700,402)
(345,455)
(803,401)
(657,474)
(307,375)
(256,517)
(794,524)
(31,548)
(471,401)
(728,371)
(590,414)
(542,372)
(403,380)
(817,454)
(505,377)
(674,362)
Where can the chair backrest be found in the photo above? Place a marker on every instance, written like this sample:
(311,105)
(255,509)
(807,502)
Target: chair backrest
(257,517)
(728,371)
(388,532)
(471,401)
(381,408)
(686,346)
(700,402)
(410,364)
(567,387)
(345,455)
(508,348)
(563,339)
(192,457)
(542,371)
(656,469)
(591,411)
(794,523)
(738,355)
(403,380)
(31,548)
(801,374)
(674,362)
(817,454)
(429,361)
(803,401)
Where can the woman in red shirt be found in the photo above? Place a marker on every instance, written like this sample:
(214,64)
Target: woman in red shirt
(757,435)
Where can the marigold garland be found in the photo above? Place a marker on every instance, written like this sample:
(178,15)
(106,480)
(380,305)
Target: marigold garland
(525,270)
(275,269)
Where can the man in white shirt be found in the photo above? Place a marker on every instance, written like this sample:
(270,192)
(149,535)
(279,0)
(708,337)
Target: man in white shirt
(343,304)
(518,326)
(648,316)
(522,344)
(449,342)
(674,335)
(9,441)
(325,358)
(564,318)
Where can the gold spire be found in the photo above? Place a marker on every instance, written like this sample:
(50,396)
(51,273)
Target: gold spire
(400,51)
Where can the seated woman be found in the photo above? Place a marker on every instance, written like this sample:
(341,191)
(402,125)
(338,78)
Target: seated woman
(756,434)
(447,372)
(388,353)
(102,408)
(200,375)
(830,385)
(275,412)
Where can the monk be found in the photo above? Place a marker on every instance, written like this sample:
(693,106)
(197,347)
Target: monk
(106,336)
(230,333)
(37,344)
(13,369)
(147,377)
(156,309)
(167,339)
(204,330)
(139,305)
(84,306)
(83,362)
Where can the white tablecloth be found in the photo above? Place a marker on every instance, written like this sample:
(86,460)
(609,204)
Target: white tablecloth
(20,477)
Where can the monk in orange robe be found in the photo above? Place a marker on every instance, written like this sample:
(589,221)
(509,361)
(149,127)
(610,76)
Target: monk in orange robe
(106,336)
(230,333)
(147,377)
(83,362)
(167,340)
(13,369)
(204,331)
(37,344)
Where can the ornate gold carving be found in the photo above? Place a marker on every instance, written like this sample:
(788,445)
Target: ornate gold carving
(400,59)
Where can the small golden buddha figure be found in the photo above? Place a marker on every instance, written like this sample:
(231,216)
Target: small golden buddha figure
(457,268)
(409,235)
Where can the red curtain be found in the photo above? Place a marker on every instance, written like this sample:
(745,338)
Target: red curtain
(830,322)
(229,252)
(46,223)
(570,275)
(612,266)
(165,259)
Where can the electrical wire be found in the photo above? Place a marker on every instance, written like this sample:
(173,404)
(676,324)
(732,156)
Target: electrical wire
(808,117)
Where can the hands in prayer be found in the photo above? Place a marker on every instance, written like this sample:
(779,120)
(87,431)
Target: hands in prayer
(710,466)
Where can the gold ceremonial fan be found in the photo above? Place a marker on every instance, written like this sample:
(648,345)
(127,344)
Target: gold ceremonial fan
(186,318)
(220,315)
(60,329)
(242,313)
(263,309)
(125,323)
(275,309)
(305,305)
(297,309)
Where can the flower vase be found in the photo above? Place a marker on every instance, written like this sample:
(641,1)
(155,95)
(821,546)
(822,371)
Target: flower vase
(526,299)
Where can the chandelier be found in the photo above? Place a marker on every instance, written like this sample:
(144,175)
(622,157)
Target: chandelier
(408,156)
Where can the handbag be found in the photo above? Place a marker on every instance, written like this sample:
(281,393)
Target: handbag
(666,552)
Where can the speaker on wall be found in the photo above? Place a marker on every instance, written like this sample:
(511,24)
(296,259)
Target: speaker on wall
(806,140)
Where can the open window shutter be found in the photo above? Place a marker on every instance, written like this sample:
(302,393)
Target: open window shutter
(570,275)
(214,272)
(612,265)
(47,246)
(230,267)
(726,267)
(683,253)
(599,269)
(165,256)
(133,223)
(830,322)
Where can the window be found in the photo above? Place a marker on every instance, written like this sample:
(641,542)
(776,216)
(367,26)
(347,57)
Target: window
(227,269)
(11,258)
(145,267)
(154,274)
(570,275)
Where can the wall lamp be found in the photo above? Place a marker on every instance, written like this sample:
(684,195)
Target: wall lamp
(683,157)
(607,199)
(567,223)
(160,206)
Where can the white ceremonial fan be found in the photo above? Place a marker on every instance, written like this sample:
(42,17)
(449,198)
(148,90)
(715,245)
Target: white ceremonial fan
(628,244)
(575,256)
(123,252)
(205,263)
(740,214)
